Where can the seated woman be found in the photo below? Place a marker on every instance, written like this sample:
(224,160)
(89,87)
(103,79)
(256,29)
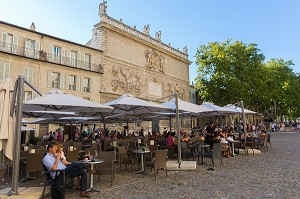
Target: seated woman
(171,141)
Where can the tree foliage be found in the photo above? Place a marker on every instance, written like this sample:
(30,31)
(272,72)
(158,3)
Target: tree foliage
(232,71)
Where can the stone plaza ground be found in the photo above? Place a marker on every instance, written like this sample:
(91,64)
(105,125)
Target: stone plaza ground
(272,174)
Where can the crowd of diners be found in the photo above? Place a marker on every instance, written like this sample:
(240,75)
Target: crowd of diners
(210,134)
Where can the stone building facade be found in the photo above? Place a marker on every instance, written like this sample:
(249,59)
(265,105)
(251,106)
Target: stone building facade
(118,59)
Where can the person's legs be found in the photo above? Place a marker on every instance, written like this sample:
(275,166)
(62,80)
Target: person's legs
(83,178)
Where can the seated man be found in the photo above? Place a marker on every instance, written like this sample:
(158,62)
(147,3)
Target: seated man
(52,162)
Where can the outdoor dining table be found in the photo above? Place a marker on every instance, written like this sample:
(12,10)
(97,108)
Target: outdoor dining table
(142,159)
(92,162)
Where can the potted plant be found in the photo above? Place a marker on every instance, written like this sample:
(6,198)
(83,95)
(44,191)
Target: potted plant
(43,55)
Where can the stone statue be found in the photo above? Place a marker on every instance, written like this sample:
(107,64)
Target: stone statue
(102,9)
(161,63)
(185,50)
(158,35)
(32,27)
(96,41)
(149,61)
(146,29)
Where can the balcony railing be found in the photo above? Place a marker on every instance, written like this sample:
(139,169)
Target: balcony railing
(44,56)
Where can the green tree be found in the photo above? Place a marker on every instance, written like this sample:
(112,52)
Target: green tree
(229,72)
(283,83)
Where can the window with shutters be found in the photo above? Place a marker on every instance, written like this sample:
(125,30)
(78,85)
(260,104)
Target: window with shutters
(73,58)
(8,42)
(28,74)
(86,84)
(72,83)
(55,80)
(30,48)
(4,70)
(57,54)
(87,61)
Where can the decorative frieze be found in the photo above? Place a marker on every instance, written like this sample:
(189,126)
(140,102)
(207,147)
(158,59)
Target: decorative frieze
(126,81)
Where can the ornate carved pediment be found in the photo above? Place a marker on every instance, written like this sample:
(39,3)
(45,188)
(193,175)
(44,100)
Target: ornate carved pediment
(154,60)
(126,81)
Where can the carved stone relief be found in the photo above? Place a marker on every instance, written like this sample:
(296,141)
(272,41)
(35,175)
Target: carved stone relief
(125,80)
(170,89)
(154,60)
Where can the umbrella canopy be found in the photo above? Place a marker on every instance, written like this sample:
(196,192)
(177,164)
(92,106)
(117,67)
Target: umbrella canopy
(47,114)
(217,110)
(63,120)
(24,128)
(57,100)
(131,105)
(6,89)
(187,108)
(239,110)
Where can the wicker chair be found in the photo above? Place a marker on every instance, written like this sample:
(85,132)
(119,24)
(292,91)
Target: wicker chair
(59,189)
(215,154)
(160,162)
(246,144)
(33,163)
(125,158)
(72,155)
(186,150)
(262,142)
(269,140)
(107,167)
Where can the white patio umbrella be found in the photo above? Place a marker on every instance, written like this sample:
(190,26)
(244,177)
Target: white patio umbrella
(239,110)
(57,100)
(6,89)
(187,108)
(47,114)
(25,128)
(129,104)
(217,110)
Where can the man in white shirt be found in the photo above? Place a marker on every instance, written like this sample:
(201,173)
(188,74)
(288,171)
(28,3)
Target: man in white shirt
(52,162)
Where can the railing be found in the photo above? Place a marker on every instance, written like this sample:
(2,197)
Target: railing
(44,56)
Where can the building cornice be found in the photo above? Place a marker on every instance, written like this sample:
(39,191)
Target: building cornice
(136,35)
(49,36)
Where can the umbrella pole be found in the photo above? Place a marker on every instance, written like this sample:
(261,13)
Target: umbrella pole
(16,153)
(243,118)
(170,123)
(178,130)
(70,133)
(127,123)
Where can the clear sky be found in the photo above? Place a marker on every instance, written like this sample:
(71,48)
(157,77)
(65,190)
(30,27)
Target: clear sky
(273,24)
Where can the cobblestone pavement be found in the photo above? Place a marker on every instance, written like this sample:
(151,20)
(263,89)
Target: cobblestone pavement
(273,174)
